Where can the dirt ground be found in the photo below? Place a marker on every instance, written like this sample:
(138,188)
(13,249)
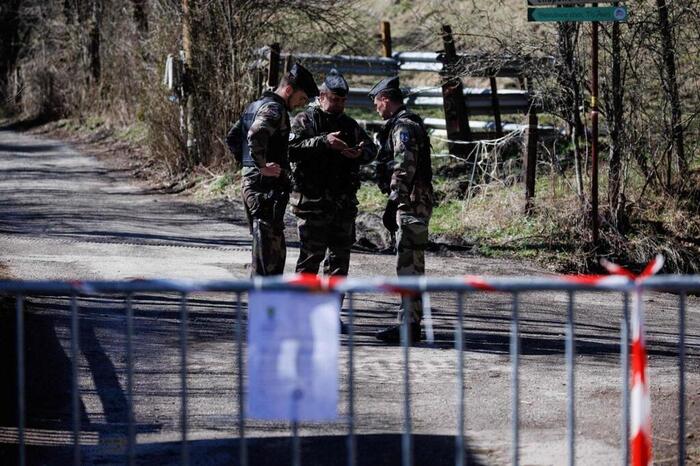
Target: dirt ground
(75,212)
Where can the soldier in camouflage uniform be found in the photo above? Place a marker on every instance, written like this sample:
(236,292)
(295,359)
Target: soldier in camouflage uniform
(266,183)
(405,174)
(326,150)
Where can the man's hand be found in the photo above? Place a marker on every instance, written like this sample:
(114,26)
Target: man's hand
(389,217)
(334,141)
(353,152)
(271,169)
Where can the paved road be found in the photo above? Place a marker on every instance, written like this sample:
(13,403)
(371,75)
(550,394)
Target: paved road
(65,215)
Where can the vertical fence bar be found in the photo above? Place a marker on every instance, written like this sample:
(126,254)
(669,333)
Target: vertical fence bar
(406,453)
(242,445)
(131,441)
(624,355)
(21,414)
(75,395)
(352,443)
(296,443)
(427,311)
(515,380)
(681,379)
(459,347)
(570,374)
(184,458)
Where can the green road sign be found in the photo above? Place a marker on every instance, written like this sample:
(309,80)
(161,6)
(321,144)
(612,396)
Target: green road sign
(577,14)
(562,2)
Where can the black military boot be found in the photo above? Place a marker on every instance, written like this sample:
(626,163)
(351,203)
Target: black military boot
(392,334)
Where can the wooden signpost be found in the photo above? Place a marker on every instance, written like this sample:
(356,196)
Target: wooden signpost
(565,12)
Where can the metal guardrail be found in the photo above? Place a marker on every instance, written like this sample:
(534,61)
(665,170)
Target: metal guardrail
(345,64)
(479,100)
(461,286)
(478,64)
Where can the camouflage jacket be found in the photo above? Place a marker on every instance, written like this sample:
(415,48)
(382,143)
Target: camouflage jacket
(322,177)
(266,124)
(404,169)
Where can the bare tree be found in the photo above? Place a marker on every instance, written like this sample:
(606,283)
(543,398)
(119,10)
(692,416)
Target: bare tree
(140,16)
(9,46)
(615,111)
(570,76)
(671,90)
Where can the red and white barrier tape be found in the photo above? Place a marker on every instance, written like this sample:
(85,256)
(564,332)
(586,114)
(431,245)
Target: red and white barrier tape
(640,401)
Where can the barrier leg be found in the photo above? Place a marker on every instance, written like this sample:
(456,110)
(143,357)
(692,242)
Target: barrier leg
(352,443)
(75,395)
(184,458)
(681,380)
(515,381)
(131,433)
(406,442)
(570,373)
(625,357)
(242,445)
(459,347)
(21,413)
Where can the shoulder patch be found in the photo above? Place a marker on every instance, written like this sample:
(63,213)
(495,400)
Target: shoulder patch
(404,136)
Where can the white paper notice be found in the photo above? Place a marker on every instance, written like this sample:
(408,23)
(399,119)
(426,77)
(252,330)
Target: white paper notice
(293,340)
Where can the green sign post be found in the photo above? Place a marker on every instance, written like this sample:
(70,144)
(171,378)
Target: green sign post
(577,14)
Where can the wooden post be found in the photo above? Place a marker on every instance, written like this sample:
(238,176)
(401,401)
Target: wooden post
(188,97)
(273,72)
(259,81)
(495,103)
(530,154)
(594,133)
(288,63)
(386,38)
(456,120)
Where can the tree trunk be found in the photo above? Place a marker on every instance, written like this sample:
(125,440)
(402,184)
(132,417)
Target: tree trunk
(568,78)
(616,112)
(189,100)
(671,88)
(94,41)
(140,17)
(9,44)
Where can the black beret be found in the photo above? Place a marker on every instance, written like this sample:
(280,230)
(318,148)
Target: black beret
(385,84)
(304,80)
(336,83)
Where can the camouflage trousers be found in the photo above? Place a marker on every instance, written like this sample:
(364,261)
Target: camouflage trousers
(265,215)
(411,241)
(326,237)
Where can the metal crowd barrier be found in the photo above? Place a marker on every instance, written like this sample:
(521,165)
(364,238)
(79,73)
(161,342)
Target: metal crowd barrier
(461,286)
